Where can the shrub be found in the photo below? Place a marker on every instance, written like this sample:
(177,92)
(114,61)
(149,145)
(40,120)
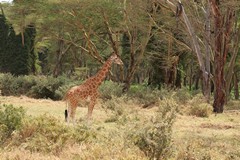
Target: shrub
(182,95)
(144,94)
(115,106)
(33,86)
(46,87)
(110,89)
(10,120)
(233,105)
(6,81)
(46,134)
(154,138)
(83,133)
(201,110)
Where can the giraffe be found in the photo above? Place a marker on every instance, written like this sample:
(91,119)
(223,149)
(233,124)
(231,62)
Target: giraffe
(88,91)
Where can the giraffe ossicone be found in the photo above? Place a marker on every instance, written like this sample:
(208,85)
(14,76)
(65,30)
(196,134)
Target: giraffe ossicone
(88,91)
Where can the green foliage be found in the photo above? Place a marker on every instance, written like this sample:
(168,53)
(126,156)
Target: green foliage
(144,94)
(16,51)
(154,138)
(10,120)
(33,86)
(46,87)
(5,84)
(7,36)
(30,34)
(83,133)
(110,89)
(115,106)
(182,95)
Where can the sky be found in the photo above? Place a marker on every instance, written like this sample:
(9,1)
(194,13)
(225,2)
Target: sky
(5,0)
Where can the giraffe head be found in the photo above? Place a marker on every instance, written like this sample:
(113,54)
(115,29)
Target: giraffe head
(116,59)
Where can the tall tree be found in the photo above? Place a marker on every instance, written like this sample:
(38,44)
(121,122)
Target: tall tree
(137,27)
(4,34)
(223,27)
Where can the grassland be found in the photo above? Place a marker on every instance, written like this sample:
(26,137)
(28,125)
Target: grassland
(216,137)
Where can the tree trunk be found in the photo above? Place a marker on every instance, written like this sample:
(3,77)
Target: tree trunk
(219,81)
(191,76)
(223,26)
(236,91)
(178,79)
(59,58)
(219,94)
(206,81)
(230,69)
(58,66)
(197,78)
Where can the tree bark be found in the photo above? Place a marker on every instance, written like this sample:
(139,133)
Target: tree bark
(206,80)
(137,48)
(59,58)
(223,26)
(230,69)
(193,36)
(236,91)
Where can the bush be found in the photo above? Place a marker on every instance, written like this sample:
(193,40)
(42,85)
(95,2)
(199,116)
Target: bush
(154,138)
(193,151)
(233,105)
(33,86)
(6,81)
(201,110)
(144,94)
(10,120)
(46,87)
(110,89)
(182,95)
(46,134)
(117,109)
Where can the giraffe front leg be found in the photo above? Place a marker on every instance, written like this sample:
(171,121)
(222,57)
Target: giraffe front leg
(69,113)
(90,108)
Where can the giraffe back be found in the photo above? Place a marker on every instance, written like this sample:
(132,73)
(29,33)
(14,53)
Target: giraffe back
(80,93)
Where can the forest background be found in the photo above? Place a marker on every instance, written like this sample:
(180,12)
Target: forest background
(181,64)
(163,44)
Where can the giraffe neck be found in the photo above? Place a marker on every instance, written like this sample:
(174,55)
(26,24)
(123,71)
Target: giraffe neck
(101,74)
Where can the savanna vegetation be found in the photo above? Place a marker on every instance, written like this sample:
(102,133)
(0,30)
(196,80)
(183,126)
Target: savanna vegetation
(175,97)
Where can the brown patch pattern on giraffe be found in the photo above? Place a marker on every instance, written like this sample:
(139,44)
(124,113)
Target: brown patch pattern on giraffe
(88,90)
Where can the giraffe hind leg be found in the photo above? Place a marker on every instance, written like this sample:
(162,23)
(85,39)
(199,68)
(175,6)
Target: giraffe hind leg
(69,113)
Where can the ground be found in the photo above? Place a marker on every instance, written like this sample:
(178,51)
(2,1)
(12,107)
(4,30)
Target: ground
(215,137)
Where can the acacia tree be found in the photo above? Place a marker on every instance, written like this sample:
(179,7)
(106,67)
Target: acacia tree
(96,28)
(166,48)
(137,27)
(219,19)
(223,19)
(178,8)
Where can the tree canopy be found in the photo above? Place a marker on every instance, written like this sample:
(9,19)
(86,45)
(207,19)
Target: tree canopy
(174,44)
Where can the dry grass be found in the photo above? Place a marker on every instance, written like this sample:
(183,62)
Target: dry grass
(216,137)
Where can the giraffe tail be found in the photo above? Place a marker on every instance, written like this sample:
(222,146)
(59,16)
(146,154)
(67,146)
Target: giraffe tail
(66,112)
